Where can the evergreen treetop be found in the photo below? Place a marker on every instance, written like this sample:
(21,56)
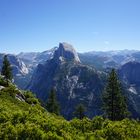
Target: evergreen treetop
(6,69)
(52,103)
(114,103)
(80,111)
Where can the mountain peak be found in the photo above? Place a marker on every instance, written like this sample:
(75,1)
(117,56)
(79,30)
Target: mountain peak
(67,52)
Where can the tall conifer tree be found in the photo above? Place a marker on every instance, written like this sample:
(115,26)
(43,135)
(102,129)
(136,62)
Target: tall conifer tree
(114,103)
(80,111)
(6,69)
(52,103)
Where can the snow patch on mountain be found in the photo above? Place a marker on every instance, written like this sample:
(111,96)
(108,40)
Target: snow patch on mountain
(132,90)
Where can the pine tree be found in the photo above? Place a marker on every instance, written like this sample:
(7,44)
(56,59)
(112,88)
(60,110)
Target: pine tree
(80,111)
(52,104)
(114,103)
(6,69)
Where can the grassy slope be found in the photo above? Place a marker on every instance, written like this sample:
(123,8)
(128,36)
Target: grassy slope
(20,120)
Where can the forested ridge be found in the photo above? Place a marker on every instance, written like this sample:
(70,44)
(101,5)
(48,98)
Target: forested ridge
(28,120)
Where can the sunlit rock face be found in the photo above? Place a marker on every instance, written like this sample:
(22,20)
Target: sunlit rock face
(74,82)
(67,52)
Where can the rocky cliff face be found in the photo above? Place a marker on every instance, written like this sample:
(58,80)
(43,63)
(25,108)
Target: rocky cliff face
(18,66)
(19,69)
(129,74)
(74,83)
(66,51)
(32,59)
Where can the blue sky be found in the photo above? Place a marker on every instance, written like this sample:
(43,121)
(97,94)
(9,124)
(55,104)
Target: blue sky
(38,25)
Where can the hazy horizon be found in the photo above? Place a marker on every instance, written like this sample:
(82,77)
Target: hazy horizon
(17,53)
(89,25)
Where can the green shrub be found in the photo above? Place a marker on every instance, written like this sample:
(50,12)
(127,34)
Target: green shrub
(3,82)
(10,90)
(28,94)
(97,123)
(30,98)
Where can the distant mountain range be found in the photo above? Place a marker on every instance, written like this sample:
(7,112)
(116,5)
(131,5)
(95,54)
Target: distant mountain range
(102,60)
(99,60)
(32,59)
(77,77)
